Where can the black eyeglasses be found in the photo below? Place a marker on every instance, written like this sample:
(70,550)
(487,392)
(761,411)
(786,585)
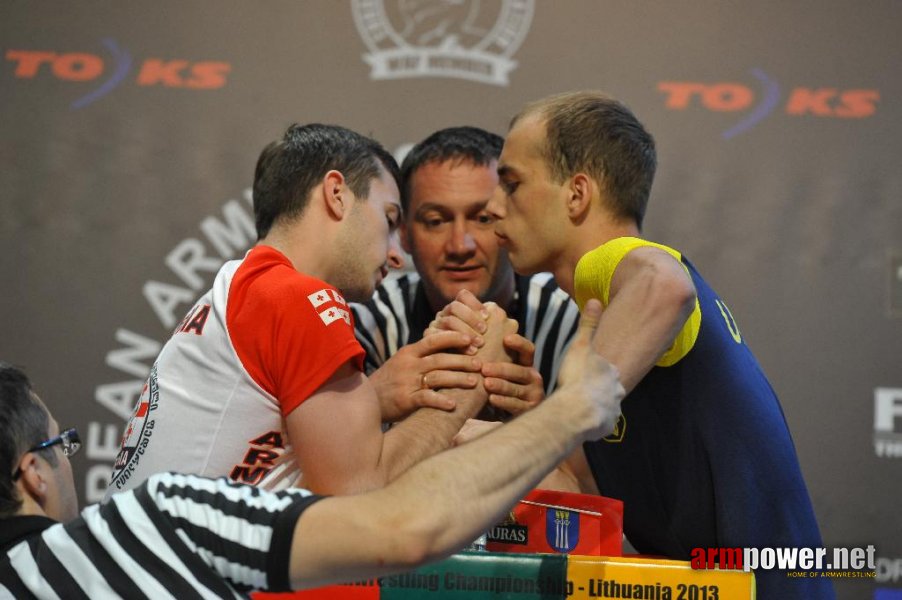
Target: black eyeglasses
(69,439)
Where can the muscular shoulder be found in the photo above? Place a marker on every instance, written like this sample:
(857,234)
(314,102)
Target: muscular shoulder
(656,273)
(266,276)
(595,270)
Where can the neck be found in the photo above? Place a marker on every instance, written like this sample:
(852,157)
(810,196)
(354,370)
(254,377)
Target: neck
(587,236)
(293,240)
(30,507)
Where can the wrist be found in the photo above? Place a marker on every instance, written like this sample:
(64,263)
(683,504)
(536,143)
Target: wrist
(468,401)
(573,411)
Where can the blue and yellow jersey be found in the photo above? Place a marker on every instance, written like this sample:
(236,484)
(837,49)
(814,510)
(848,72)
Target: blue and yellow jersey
(702,456)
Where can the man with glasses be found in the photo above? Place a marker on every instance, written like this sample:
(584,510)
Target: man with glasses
(68,440)
(54,473)
(187,536)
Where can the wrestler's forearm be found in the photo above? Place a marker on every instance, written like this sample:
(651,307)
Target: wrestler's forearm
(491,473)
(437,506)
(428,431)
(444,502)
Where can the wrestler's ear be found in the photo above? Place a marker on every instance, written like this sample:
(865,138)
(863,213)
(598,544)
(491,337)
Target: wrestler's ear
(580,190)
(336,196)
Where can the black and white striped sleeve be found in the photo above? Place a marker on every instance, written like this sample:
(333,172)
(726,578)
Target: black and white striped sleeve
(242,532)
(175,536)
(382,324)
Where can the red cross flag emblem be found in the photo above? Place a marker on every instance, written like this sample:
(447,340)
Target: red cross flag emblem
(325,301)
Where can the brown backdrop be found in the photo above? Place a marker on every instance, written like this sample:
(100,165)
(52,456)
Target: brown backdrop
(129,134)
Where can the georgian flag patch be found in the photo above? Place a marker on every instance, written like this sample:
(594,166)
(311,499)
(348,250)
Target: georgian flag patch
(325,301)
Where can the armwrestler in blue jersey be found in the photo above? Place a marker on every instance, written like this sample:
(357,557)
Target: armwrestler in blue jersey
(702,456)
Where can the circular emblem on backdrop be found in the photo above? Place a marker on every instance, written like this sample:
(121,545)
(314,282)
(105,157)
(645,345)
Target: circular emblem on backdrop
(467,39)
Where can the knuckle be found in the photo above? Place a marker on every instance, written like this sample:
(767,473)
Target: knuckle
(460,379)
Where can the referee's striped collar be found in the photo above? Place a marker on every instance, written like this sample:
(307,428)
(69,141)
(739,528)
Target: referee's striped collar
(16,528)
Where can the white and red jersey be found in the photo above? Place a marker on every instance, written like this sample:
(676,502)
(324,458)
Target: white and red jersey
(250,351)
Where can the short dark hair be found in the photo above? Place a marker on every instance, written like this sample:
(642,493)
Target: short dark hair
(593,133)
(464,144)
(289,168)
(24,423)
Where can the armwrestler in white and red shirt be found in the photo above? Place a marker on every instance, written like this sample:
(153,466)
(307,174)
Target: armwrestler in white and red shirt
(262,381)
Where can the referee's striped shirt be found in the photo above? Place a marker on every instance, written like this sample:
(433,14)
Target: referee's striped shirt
(399,313)
(175,536)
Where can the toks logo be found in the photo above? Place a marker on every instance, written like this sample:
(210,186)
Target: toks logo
(737,97)
(85,67)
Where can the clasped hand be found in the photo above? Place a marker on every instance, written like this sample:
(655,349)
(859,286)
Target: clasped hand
(469,344)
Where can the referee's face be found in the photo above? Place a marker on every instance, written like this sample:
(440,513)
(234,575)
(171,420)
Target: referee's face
(450,234)
(60,501)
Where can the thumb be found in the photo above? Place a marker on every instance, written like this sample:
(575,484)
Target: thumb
(588,320)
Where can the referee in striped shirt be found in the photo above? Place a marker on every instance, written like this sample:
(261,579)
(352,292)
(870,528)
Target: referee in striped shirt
(182,536)
(446,182)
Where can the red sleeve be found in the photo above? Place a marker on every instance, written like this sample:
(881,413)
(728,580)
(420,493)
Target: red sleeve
(290,331)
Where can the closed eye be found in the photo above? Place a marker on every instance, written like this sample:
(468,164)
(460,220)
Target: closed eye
(393,216)
(432,221)
(510,187)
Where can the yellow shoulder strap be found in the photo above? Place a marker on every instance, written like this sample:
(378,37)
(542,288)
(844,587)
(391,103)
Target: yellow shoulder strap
(592,279)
